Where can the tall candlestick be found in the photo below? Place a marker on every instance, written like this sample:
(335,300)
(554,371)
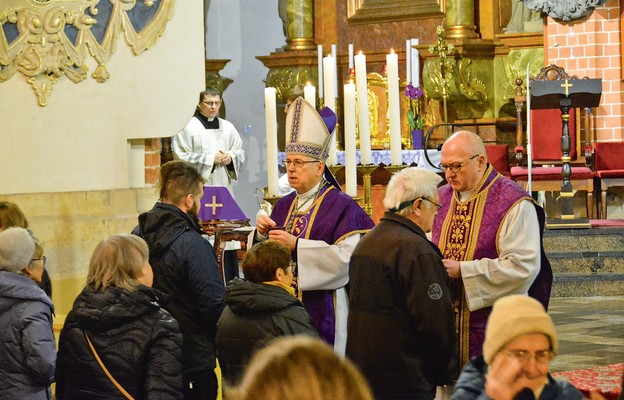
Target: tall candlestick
(349,131)
(329,70)
(415,77)
(333,50)
(408,61)
(309,94)
(271,139)
(392,65)
(320,70)
(362,106)
(350,56)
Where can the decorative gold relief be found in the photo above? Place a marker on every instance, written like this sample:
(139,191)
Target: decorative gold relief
(375,11)
(470,86)
(47,39)
(285,79)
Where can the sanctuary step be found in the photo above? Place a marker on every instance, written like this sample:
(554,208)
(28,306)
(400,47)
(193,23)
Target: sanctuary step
(586,262)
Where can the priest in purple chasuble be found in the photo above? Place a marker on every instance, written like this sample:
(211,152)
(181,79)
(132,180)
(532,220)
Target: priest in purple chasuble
(489,231)
(320,224)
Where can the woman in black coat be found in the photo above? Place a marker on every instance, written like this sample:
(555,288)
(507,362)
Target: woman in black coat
(117,318)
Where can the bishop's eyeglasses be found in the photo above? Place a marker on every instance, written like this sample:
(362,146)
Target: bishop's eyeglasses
(297,163)
(455,168)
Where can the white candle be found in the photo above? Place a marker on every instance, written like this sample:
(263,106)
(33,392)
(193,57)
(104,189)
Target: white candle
(333,51)
(362,106)
(349,131)
(415,77)
(309,94)
(350,56)
(408,61)
(329,73)
(271,139)
(320,70)
(392,66)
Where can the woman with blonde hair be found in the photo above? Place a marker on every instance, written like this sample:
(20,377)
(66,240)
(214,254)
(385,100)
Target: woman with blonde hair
(117,342)
(300,368)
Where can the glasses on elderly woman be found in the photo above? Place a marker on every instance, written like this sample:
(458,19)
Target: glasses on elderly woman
(524,357)
(43,260)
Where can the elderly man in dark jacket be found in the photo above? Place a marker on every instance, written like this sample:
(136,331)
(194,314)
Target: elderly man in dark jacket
(259,309)
(186,271)
(401,328)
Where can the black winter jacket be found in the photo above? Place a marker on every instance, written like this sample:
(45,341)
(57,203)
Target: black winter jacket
(138,341)
(255,314)
(186,272)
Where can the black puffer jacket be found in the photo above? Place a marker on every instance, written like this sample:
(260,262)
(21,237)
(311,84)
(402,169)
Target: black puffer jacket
(137,340)
(255,314)
(185,270)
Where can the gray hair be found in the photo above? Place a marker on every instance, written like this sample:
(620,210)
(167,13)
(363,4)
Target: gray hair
(409,184)
(16,249)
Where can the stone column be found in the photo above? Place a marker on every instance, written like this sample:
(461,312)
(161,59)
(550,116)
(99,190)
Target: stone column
(298,22)
(460,20)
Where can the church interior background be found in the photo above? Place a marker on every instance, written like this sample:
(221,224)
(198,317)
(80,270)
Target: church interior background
(81,157)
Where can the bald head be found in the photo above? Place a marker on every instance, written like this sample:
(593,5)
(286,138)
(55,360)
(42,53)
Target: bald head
(464,156)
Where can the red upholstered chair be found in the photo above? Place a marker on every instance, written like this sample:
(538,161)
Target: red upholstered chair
(498,156)
(546,148)
(609,169)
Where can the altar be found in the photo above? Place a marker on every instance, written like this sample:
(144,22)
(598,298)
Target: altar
(380,176)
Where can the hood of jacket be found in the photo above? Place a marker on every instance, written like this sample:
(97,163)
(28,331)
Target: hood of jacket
(15,288)
(104,310)
(163,224)
(244,297)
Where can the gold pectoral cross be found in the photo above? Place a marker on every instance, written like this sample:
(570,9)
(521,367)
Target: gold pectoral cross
(213,205)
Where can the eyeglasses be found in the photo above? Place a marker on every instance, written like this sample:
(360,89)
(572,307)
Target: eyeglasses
(43,260)
(523,356)
(212,103)
(297,163)
(455,168)
(437,206)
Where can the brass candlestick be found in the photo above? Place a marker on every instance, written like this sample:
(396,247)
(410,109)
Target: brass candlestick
(271,199)
(366,171)
(335,168)
(395,168)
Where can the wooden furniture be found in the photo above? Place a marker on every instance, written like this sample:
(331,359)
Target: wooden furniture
(559,163)
(225,232)
(609,170)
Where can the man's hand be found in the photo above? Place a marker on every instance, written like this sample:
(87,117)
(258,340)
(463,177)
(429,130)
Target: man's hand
(263,223)
(283,237)
(452,268)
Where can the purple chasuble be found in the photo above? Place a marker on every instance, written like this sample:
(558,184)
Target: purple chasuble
(333,216)
(465,231)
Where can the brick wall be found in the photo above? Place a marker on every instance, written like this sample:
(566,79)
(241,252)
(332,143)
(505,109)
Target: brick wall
(152,160)
(593,48)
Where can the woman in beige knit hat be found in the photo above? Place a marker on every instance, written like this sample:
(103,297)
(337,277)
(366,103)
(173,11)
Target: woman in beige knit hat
(520,342)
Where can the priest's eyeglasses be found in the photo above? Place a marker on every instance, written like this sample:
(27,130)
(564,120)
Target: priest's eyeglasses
(524,357)
(455,168)
(212,103)
(297,163)
(43,260)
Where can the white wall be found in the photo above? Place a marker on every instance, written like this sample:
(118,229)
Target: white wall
(240,30)
(79,141)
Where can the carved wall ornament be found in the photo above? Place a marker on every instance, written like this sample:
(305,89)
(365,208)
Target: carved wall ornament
(46,39)
(564,10)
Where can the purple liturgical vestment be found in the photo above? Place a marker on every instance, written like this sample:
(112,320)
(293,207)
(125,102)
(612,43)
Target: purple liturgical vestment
(332,217)
(468,231)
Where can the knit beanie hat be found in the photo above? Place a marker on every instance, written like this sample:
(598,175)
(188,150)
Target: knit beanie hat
(16,249)
(513,316)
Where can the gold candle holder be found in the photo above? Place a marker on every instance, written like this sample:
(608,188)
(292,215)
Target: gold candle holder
(271,199)
(335,168)
(367,170)
(395,168)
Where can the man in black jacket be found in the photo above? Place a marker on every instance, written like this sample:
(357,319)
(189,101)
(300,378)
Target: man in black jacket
(186,271)
(401,328)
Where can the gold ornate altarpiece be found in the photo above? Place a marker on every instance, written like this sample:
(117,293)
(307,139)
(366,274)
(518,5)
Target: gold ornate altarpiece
(44,40)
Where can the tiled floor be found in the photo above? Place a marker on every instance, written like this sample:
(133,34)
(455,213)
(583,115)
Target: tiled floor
(590,331)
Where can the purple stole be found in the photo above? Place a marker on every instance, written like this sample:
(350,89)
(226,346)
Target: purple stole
(464,231)
(332,217)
